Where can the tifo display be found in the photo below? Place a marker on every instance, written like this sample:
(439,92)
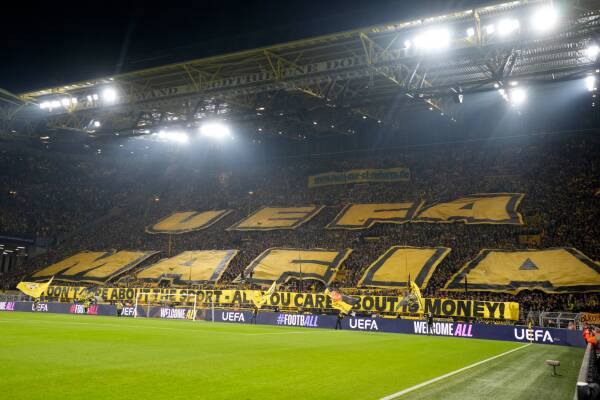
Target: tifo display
(504,271)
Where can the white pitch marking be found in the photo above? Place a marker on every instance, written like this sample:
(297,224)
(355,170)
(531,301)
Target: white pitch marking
(449,374)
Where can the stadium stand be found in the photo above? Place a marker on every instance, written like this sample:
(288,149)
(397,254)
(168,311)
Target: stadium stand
(98,204)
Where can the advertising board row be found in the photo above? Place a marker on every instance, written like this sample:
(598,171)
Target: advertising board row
(564,337)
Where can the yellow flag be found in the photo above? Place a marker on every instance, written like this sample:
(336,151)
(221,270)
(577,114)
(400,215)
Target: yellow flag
(341,301)
(416,292)
(260,299)
(34,289)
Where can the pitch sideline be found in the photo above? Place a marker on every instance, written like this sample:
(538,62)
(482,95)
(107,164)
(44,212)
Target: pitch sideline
(169,328)
(449,374)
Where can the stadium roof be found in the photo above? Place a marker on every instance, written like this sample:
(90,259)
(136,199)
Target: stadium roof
(325,84)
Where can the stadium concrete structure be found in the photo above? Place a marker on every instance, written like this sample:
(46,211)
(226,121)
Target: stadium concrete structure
(370,73)
(474,259)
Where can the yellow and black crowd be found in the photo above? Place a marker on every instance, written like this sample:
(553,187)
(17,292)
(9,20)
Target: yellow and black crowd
(100,203)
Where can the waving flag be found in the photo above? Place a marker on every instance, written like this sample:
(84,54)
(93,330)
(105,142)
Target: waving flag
(416,292)
(413,300)
(341,301)
(34,289)
(259,299)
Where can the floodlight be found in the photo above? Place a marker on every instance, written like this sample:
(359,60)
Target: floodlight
(590,82)
(95,96)
(489,29)
(44,105)
(215,130)
(109,95)
(433,40)
(65,102)
(470,32)
(544,19)
(407,44)
(54,104)
(73,100)
(592,51)
(175,136)
(97,124)
(503,94)
(517,96)
(508,26)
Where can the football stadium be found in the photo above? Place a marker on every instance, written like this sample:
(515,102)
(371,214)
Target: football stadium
(401,207)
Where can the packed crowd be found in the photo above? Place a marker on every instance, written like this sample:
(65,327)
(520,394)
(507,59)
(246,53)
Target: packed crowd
(99,206)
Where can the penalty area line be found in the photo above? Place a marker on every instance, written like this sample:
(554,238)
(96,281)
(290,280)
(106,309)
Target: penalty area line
(449,374)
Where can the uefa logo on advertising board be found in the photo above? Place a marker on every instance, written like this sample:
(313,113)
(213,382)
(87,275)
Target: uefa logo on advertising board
(128,312)
(39,307)
(232,316)
(533,335)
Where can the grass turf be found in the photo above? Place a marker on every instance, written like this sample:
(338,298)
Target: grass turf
(54,356)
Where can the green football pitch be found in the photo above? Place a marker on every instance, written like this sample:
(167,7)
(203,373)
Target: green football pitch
(46,356)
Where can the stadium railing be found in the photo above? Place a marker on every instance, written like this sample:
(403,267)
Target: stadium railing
(588,381)
(550,319)
(13,297)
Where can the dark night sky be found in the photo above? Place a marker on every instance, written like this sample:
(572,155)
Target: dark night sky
(56,43)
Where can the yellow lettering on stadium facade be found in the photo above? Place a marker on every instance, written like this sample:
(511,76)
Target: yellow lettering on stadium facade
(394,267)
(487,208)
(189,267)
(95,267)
(365,215)
(187,221)
(278,264)
(269,218)
(558,270)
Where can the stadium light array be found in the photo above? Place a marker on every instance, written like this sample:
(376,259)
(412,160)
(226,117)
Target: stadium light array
(432,40)
(215,130)
(52,104)
(174,136)
(544,19)
(508,26)
(590,83)
(109,95)
(517,96)
(514,96)
(592,51)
